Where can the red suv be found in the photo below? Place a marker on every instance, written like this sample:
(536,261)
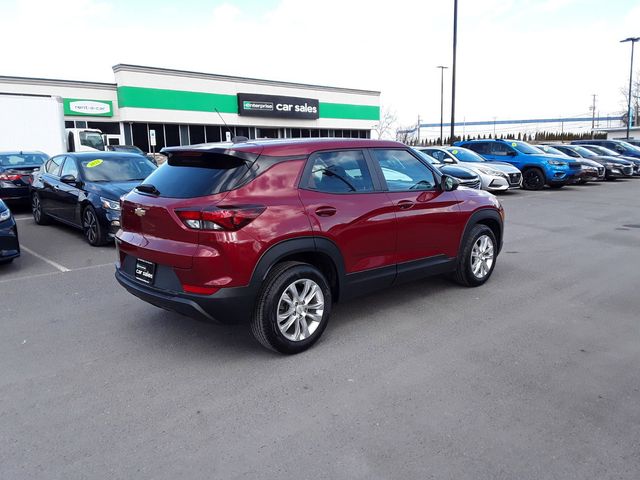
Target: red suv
(276,231)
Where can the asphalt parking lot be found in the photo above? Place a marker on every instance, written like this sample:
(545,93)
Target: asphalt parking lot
(534,375)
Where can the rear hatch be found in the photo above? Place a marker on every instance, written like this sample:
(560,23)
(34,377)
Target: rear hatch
(189,180)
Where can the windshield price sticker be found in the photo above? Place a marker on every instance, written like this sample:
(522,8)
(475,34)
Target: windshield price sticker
(94,163)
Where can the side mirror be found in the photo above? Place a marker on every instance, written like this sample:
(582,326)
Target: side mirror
(448,160)
(448,183)
(70,179)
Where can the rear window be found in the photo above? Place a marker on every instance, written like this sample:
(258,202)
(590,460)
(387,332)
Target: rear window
(22,160)
(198,174)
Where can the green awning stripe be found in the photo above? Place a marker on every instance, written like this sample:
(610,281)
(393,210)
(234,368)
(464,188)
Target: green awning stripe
(143,97)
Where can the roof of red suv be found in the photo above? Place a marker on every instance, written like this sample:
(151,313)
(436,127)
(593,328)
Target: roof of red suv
(288,146)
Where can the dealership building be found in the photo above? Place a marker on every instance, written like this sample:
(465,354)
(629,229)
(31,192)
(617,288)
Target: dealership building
(149,105)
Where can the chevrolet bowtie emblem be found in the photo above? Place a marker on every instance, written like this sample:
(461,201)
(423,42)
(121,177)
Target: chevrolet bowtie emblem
(140,211)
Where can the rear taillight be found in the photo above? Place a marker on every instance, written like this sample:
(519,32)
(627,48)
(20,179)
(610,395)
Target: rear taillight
(9,177)
(223,218)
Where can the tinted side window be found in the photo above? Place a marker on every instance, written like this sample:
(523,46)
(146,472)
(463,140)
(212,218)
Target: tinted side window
(481,148)
(339,172)
(437,154)
(498,148)
(69,168)
(402,171)
(569,152)
(616,147)
(53,166)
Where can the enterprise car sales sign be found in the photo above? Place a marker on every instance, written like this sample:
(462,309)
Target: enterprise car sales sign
(277,106)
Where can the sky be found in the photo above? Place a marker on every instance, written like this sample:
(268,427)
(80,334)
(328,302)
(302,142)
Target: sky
(516,58)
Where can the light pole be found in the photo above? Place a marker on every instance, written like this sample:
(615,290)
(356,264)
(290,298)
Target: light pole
(453,69)
(442,69)
(633,41)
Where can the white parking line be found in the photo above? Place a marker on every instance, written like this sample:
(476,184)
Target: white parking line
(37,275)
(87,267)
(26,217)
(28,277)
(62,268)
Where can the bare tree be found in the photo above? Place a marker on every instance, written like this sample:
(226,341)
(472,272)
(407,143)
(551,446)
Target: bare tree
(635,100)
(406,135)
(388,119)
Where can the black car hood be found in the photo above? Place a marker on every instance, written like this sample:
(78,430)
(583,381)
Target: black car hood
(607,159)
(458,172)
(111,190)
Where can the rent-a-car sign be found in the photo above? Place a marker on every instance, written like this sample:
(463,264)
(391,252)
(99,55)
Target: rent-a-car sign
(277,106)
(93,108)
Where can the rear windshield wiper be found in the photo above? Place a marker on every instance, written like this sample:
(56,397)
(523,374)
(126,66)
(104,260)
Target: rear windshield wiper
(148,188)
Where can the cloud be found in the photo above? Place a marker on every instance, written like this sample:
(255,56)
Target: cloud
(514,58)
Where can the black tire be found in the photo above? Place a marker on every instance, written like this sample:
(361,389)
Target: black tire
(464,274)
(533,179)
(7,261)
(582,181)
(264,322)
(93,232)
(37,211)
(557,186)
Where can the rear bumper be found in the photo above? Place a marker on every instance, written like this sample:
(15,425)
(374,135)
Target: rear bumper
(228,305)
(14,192)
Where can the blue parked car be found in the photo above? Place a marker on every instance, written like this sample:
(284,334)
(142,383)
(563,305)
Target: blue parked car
(538,168)
(84,189)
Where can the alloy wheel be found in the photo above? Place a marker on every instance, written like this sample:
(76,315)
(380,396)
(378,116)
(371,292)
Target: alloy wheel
(300,310)
(90,224)
(532,179)
(482,256)
(36,208)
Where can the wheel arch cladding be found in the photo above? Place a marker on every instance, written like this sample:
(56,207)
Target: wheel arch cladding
(488,217)
(322,253)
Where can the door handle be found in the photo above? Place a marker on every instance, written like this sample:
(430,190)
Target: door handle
(325,211)
(405,204)
(56,187)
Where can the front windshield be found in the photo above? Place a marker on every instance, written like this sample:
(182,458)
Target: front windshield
(22,159)
(465,155)
(585,152)
(551,150)
(525,148)
(602,150)
(115,169)
(427,156)
(92,139)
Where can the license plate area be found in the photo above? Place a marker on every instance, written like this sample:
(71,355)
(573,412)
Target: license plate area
(145,271)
